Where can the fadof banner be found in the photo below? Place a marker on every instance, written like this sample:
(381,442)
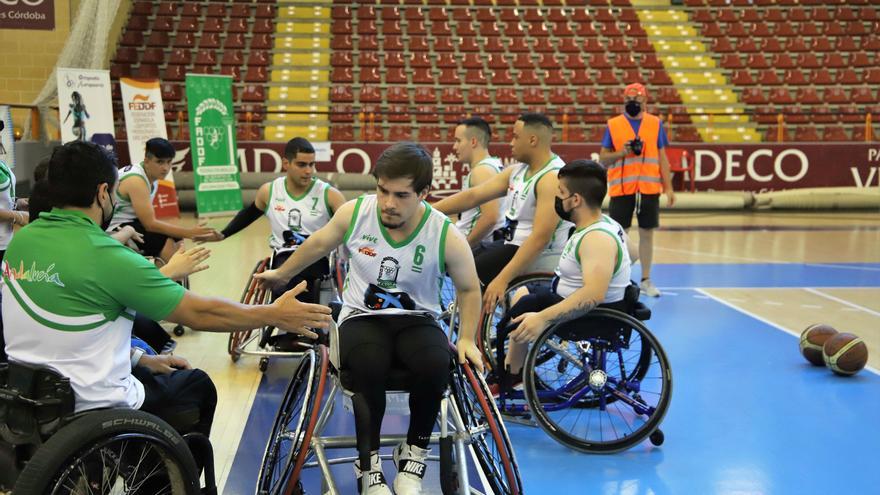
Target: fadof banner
(7,137)
(144,120)
(213,146)
(86,107)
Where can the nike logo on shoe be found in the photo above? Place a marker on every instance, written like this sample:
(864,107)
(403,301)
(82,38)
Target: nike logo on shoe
(413,467)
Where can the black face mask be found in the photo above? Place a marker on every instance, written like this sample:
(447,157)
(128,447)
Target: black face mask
(560,210)
(633,108)
(106,217)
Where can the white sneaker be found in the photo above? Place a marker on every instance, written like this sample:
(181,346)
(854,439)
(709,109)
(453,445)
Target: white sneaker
(649,288)
(378,485)
(410,462)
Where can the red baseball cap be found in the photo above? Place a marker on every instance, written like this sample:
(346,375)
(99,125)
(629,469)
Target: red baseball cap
(635,89)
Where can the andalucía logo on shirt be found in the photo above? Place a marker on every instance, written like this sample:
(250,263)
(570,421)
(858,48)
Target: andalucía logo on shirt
(33,274)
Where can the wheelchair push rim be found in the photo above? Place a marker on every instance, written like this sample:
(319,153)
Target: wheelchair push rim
(488,436)
(290,439)
(251,295)
(606,398)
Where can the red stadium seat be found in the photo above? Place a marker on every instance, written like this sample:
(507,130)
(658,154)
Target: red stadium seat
(395,75)
(501,77)
(757,61)
(219,10)
(528,77)
(453,113)
(391,28)
(580,77)
(780,96)
(833,29)
(341,26)
(846,44)
(419,44)
(451,95)
(560,96)
(737,30)
(754,96)
(392,45)
(808,96)
(863,94)
(570,45)
(365,26)
(137,23)
(871,43)
(599,61)
(400,133)
(472,61)
(852,114)
(256,73)
(430,134)
(746,45)
(593,114)
(607,77)
(425,94)
(834,134)
(796,45)
(126,55)
(370,94)
(339,93)
(518,44)
(341,43)
(836,95)
(872,76)
(722,45)
(659,77)
(479,96)
(806,133)
(341,113)
(234,57)
(585,30)
(160,38)
(632,76)
(642,45)
(731,61)
(342,133)
(543,46)
(422,75)
(506,95)
(523,61)
(821,44)
(264,26)
(742,77)
(118,70)
(668,95)
(206,57)
(759,29)
(174,73)
(339,59)
(234,71)
(448,75)
(496,61)
(468,44)
(712,30)
(795,77)
(820,77)
(163,23)
(771,45)
(808,61)
(847,76)
(419,59)
(265,11)
(783,61)
(824,115)
(860,59)
(586,96)
(368,59)
(555,77)
(341,75)
(767,77)
(212,25)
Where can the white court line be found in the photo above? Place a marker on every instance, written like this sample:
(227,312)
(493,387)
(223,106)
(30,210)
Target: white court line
(765,321)
(772,303)
(844,267)
(843,301)
(811,306)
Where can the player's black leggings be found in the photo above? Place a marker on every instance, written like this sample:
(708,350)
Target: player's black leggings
(491,258)
(372,345)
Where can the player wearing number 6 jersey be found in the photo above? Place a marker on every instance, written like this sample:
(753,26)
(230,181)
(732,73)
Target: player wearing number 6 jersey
(399,249)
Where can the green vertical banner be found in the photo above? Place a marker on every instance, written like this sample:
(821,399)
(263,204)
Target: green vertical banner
(212,137)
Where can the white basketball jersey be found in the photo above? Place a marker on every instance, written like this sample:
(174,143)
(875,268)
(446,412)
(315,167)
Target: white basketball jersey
(301,215)
(523,203)
(124,212)
(388,277)
(469,218)
(7,201)
(569,269)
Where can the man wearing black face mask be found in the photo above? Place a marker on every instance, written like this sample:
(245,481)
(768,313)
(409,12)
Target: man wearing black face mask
(594,268)
(633,149)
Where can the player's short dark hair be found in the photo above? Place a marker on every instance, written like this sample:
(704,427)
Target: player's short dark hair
(406,159)
(587,178)
(76,169)
(297,145)
(536,119)
(41,170)
(159,148)
(480,128)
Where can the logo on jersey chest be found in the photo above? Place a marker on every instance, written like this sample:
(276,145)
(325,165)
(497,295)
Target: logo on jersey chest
(388,271)
(369,238)
(366,250)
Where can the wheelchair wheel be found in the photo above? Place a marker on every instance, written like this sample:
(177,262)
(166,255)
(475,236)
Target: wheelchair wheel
(250,295)
(112,451)
(598,392)
(488,327)
(489,439)
(291,435)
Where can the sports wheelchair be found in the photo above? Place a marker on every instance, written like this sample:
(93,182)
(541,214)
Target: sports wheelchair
(266,342)
(470,428)
(178,329)
(47,448)
(600,384)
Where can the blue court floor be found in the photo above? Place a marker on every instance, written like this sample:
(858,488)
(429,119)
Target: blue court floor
(748,414)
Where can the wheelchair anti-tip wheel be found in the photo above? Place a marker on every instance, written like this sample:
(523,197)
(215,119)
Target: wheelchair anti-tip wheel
(606,386)
(288,445)
(489,439)
(112,451)
(251,295)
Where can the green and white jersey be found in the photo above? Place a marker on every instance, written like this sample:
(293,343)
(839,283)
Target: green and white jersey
(124,212)
(302,215)
(569,270)
(7,202)
(523,203)
(70,293)
(468,219)
(389,277)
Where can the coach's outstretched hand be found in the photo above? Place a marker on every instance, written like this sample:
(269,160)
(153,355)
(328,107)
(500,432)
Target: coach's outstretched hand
(298,317)
(185,263)
(269,279)
(467,350)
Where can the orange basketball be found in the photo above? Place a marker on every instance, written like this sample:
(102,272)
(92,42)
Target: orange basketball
(845,354)
(812,340)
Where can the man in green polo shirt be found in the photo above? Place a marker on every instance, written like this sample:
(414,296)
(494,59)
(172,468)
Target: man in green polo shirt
(70,292)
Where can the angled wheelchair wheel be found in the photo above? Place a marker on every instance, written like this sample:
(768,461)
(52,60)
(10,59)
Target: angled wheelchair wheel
(112,451)
(489,440)
(289,441)
(251,295)
(606,385)
(489,325)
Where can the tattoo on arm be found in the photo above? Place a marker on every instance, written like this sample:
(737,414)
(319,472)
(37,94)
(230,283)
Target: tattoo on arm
(580,309)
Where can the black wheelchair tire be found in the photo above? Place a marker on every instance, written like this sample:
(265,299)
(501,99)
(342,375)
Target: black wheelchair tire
(531,387)
(43,470)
